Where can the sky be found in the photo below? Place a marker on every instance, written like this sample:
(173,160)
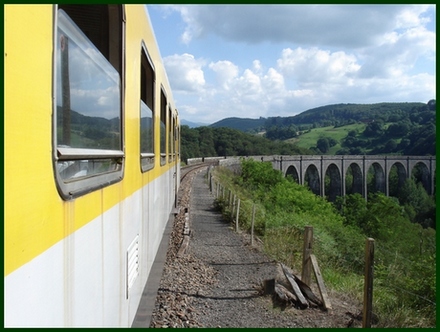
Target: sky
(252,61)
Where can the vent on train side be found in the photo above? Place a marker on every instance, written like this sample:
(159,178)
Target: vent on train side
(132,266)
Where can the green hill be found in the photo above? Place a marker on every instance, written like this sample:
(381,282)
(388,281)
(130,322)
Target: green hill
(383,128)
(242,124)
(340,114)
(213,142)
(309,139)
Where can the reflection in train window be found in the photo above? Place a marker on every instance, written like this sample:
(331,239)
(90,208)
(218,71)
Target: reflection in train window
(88,93)
(176,137)
(170,136)
(76,169)
(163,124)
(147,115)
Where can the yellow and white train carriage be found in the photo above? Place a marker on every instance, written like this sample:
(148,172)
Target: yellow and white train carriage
(91,162)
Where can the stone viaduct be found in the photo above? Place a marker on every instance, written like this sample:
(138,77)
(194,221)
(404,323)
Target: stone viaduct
(333,176)
(312,170)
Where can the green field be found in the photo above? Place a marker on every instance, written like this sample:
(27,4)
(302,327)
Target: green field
(308,140)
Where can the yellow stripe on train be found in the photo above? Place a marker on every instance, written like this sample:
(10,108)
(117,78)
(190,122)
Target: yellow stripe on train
(36,217)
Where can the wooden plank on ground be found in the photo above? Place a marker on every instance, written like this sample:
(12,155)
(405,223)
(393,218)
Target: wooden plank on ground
(183,246)
(296,290)
(284,294)
(320,281)
(308,292)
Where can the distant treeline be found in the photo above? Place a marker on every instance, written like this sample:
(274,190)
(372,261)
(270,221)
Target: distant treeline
(396,131)
(390,128)
(211,142)
(343,114)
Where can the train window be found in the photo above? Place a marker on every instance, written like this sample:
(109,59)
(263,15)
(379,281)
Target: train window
(163,124)
(147,107)
(88,98)
(176,136)
(178,140)
(170,136)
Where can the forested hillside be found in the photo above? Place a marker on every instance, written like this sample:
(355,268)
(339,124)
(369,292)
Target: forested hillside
(342,114)
(384,128)
(245,125)
(212,142)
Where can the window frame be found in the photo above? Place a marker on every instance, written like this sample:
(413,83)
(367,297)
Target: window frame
(163,126)
(73,187)
(147,158)
(176,136)
(170,134)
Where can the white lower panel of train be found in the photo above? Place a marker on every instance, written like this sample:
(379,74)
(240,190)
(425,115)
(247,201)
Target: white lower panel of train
(89,279)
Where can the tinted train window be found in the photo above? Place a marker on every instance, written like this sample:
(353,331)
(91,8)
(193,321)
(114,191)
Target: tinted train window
(176,136)
(147,109)
(170,136)
(88,97)
(163,125)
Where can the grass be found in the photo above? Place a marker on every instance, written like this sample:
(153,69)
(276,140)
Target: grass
(283,240)
(309,139)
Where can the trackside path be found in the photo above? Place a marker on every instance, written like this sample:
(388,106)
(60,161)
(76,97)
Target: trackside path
(219,279)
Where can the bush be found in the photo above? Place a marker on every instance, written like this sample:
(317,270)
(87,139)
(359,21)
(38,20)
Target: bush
(405,254)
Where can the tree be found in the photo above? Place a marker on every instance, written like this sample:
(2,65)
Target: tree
(431,105)
(206,142)
(323,144)
(332,142)
(353,208)
(374,128)
(419,206)
(399,129)
(390,146)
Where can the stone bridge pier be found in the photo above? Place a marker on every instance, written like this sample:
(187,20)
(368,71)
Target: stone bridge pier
(332,176)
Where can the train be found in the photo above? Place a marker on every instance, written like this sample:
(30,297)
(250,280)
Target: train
(91,163)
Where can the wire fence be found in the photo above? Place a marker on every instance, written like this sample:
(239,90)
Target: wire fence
(247,215)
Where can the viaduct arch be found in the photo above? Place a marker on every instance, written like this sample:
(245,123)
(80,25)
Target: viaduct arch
(352,172)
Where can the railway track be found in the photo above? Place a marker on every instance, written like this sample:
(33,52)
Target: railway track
(184,171)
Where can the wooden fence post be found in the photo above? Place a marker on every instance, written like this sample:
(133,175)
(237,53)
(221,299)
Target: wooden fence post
(320,281)
(230,198)
(233,207)
(238,214)
(368,283)
(252,225)
(307,250)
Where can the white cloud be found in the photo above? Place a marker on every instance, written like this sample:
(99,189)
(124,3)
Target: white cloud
(398,53)
(314,55)
(257,66)
(410,17)
(185,72)
(311,66)
(248,86)
(273,81)
(314,74)
(331,25)
(225,72)
(317,77)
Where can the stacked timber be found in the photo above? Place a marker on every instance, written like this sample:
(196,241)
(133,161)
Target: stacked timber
(288,289)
